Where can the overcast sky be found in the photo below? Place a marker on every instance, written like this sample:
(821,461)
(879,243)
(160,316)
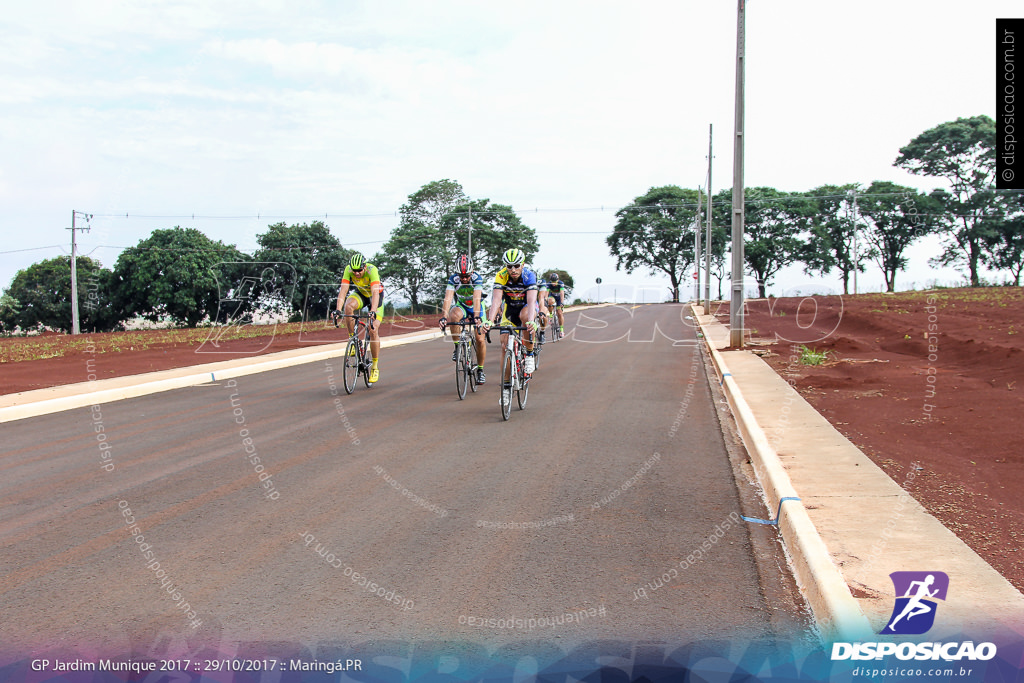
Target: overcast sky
(304,109)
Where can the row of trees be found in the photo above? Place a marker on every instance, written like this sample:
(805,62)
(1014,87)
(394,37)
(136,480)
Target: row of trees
(979,225)
(180,274)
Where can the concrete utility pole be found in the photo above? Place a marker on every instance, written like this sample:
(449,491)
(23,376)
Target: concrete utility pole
(696,251)
(856,255)
(74,268)
(736,302)
(707,237)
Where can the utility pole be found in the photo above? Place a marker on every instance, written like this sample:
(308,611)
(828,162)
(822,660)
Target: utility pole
(696,250)
(856,255)
(736,301)
(74,267)
(707,237)
(469,251)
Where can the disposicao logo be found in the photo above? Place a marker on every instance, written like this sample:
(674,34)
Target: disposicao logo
(916,602)
(917,594)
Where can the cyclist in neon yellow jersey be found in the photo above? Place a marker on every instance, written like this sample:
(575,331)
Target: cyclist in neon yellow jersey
(361,288)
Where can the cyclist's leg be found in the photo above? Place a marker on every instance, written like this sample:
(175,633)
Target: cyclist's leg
(455,315)
(508,317)
(375,331)
(352,304)
(481,344)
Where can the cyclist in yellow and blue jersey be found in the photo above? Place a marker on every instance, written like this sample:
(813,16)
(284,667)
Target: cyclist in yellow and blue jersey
(551,292)
(462,295)
(514,299)
(361,288)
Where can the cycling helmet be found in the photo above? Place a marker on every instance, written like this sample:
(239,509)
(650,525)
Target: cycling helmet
(463,265)
(513,257)
(553,276)
(356,261)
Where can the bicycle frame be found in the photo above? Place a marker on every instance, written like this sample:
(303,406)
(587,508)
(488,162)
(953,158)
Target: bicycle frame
(513,377)
(465,375)
(357,352)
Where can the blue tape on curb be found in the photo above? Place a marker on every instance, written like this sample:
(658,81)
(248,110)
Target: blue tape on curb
(778,514)
(212,378)
(724,375)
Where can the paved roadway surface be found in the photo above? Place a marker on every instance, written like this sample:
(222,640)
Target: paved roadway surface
(616,475)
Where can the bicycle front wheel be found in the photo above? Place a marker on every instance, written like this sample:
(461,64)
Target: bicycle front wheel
(351,369)
(461,370)
(507,385)
(471,364)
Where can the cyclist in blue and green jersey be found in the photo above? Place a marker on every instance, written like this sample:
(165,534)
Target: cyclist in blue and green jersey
(551,293)
(514,299)
(462,295)
(361,288)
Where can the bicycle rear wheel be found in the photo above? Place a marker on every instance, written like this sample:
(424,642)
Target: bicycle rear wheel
(461,370)
(507,366)
(524,389)
(351,368)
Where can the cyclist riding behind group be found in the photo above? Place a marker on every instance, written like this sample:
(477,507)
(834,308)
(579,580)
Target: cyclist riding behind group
(462,295)
(551,292)
(361,288)
(514,298)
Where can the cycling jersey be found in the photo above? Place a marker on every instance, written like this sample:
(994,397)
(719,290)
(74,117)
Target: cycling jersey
(369,277)
(514,291)
(464,291)
(554,289)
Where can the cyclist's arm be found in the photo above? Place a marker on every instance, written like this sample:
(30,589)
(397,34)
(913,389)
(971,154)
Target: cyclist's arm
(342,294)
(496,298)
(542,301)
(478,294)
(531,304)
(375,290)
(449,294)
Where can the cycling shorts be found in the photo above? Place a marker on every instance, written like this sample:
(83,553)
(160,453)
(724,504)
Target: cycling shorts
(364,302)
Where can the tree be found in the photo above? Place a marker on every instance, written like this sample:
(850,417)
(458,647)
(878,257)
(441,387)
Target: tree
(171,274)
(413,257)
(496,229)
(434,230)
(412,261)
(897,216)
(773,222)
(40,296)
(721,235)
(317,261)
(563,275)
(833,233)
(1005,236)
(963,153)
(656,232)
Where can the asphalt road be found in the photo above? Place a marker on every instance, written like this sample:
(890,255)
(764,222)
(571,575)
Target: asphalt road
(606,510)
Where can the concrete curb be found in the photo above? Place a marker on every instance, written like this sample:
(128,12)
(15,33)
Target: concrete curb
(67,397)
(836,612)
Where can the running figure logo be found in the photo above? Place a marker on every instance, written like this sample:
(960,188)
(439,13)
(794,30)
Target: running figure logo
(916,594)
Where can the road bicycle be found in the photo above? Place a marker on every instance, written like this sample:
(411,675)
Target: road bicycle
(465,367)
(554,330)
(513,378)
(357,351)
